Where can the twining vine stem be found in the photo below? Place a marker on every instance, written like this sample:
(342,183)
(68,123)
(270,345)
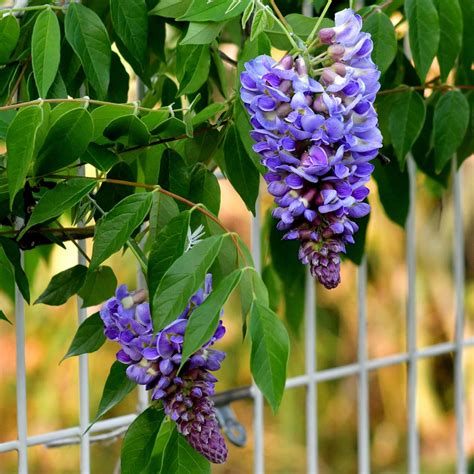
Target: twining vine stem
(85,100)
(423,87)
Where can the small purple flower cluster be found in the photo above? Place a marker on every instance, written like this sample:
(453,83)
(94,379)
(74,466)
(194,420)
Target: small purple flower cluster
(316,130)
(154,360)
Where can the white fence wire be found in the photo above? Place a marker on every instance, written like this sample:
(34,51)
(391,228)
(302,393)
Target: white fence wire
(114,427)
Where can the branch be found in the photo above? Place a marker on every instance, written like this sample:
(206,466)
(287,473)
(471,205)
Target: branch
(279,13)
(82,100)
(226,58)
(171,139)
(423,87)
(35,237)
(6,11)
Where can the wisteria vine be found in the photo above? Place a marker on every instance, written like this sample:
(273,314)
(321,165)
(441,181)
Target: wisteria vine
(316,131)
(154,360)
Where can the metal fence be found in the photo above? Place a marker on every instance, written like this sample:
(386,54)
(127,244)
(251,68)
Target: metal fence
(361,368)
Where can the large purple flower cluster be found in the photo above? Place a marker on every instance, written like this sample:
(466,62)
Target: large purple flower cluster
(316,130)
(154,360)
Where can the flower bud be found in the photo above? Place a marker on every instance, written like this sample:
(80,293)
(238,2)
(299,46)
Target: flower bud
(301,67)
(336,51)
(286,62)
(327,35)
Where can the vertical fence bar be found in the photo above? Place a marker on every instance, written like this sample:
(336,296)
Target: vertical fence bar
(258,421)
(458,253)
(83,372)
(311,390)
(142,392)
(141,282)
(412,378)
(21,415)
(363,398)
(310,355)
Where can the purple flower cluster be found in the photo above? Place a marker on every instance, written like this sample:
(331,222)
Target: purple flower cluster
(154,360)
(316,131)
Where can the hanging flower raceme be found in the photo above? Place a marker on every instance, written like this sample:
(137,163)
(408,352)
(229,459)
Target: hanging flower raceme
(316,131)
(154,361)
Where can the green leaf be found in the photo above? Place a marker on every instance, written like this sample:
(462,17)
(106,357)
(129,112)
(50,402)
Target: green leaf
(284,254)
(204,319)
(3,317)
(451,26)
(466,148)
(170,8)
(182,280)
(100,157)
(100,284)
(21,140)
(301,25)
(196,70)
(259,23)
(104,115)
(242,123)
(393,187)
(467,53)
(12,252)
(207,113)
(119,80)
(67,139)
(58,88)
(163,209)
(88,37)
(111,194)
(407,117)
(174,174)
(117,387)
(451,118)
(383,35)
(217,10)
(202,33)
(355,251)
(205,189)
(168,246)
(274,286)
(62,197)
(6,118)
(89,337)
(270,350)
(260,45)
(247,14)
(45,50)
(240,169)
(130,21)
(128,130)
(9,35)
(63,285)
(167,428)
(252,287)
(180,458)
(113,230)
(424,33)
(139,440)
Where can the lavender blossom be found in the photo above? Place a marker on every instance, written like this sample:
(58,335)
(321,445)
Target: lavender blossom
(316,131)
(154,361)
